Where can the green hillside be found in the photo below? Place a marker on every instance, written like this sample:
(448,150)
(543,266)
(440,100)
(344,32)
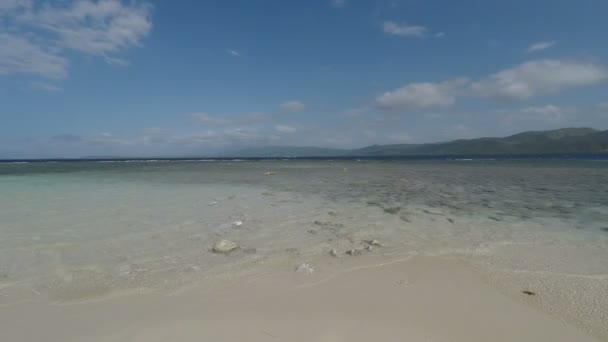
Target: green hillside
(565,140)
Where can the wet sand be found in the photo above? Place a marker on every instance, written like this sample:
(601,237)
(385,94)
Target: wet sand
(420,299)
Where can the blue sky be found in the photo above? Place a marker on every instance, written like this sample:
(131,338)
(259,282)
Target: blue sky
(172,78)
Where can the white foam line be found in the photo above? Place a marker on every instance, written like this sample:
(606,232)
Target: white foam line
(358,268)
(560,274)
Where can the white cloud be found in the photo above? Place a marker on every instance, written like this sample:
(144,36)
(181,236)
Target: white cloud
(67,138)
(116,61)
(9,5)
(252,118)
(433,116)
(96,28)
(547,111)
(106,138)
(293,106)
(152,130)
(45,86)
(235,137)
(549,114)
(391,27)
(233,53)
(539,77)
(18,55)
(206,119)
(421,95)
(285,129)
(601,110)
(210,120)
(440,34)
(521,82)
(462,131)
(541,46)
(355,112)
(42,34)
(338,3)
(400,137)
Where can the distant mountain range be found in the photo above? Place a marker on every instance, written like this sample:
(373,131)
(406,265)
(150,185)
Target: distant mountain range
(565,140)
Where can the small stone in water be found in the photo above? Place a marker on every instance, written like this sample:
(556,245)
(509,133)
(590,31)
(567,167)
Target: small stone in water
(334,253)
(305,268)
(224,246)
(373,243)
(393,210)
(353,252)
(404,218)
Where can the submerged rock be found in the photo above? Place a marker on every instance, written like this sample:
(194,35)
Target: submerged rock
(305,268)
(392,210)
(353,252)
(329,225)
(432,211)
(224,246)
(405,218)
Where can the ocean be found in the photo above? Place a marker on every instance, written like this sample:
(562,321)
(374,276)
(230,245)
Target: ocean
(77,230)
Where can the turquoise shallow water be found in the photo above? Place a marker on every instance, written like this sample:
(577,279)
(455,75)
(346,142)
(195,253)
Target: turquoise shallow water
(72,231)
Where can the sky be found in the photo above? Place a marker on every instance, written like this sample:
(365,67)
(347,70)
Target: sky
(197,78)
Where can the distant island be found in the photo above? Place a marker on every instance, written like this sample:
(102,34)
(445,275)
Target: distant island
(565,140)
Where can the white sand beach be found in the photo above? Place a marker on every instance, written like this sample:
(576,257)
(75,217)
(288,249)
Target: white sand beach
(421,299)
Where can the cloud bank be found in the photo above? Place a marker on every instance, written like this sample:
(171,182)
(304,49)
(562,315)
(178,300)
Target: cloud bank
(393,28)
(541,46)
(293,106)
(37,37)
(520,82)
